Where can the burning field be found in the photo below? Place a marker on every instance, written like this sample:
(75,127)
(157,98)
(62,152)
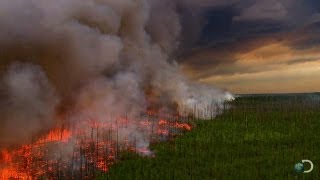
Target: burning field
(65,153)
(81,81)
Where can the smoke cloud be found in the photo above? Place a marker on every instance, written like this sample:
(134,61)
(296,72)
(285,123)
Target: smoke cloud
(89,60)
(28,102)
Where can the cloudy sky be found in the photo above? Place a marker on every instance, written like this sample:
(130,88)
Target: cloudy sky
(252,46)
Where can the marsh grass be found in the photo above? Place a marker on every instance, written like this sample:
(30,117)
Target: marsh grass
(259,137)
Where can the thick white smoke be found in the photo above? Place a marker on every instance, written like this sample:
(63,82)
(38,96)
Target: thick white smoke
(91,59)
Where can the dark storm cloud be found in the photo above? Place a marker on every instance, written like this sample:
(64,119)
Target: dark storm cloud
(306,37)
(222,30)
(220,22)
(221,58)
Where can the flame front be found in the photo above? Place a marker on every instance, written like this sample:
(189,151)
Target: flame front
(89,150)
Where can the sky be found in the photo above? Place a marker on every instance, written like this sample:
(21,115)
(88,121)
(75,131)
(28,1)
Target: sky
(252,46)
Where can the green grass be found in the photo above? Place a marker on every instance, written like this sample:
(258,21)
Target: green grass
(259,137)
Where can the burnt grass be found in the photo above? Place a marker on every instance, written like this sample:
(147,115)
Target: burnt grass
(258,137)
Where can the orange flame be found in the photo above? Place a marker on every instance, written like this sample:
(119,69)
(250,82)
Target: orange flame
(29,161)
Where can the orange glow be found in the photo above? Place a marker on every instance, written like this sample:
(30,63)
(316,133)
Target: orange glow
(177,125)
(95,145)
(55,135)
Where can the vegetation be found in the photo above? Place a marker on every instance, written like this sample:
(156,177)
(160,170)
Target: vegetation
(258,137)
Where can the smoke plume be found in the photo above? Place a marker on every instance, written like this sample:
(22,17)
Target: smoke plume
(89,60)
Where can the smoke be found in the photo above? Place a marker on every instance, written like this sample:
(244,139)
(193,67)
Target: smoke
(90,60)
(28,104)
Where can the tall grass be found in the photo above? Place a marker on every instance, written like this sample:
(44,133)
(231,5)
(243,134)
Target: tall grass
(259,137)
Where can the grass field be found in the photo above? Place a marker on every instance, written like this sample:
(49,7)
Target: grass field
(259,137)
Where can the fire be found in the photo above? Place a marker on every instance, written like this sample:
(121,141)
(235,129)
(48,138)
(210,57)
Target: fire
(6,156)
(177,125)
(56,135)
(80,152)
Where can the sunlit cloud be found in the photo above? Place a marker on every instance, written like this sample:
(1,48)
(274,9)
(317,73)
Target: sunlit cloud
(274,67)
